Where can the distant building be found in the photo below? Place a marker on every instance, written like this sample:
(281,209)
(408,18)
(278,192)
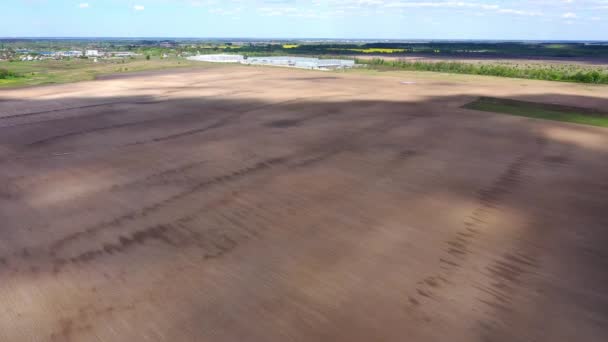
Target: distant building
(218,58)
(92,53)
(282,61)
(74,53)
(167,44)
(302,62)
(122,54)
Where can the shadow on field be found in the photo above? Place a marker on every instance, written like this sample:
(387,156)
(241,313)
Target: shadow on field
(255,203)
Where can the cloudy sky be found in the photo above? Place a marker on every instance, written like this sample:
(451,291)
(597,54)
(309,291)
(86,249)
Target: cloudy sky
(396,19)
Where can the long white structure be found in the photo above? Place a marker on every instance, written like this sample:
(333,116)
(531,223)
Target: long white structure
(218,58)
(282,61)
(301,62)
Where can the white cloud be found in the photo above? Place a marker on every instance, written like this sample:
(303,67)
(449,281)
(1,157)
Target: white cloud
(557,9)
(201,3)
(332,8)
(138,7)
(84,5)
(519,12)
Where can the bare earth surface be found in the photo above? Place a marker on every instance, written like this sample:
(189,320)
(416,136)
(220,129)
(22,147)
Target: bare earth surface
(260,204)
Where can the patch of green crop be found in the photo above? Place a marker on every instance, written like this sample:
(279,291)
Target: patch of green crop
(30,73)
(550,72)
(6,74)
(540,111)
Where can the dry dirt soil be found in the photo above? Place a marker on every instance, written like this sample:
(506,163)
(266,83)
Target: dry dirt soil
(261,204)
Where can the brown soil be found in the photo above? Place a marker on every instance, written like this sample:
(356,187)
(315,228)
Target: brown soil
(264,204)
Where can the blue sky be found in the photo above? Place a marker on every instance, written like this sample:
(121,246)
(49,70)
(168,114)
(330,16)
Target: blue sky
(391,19)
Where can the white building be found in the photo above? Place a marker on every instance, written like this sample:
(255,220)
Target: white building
(74,53)
(92,53)
(302,62)
(283,61)
(223,58)
(122,54)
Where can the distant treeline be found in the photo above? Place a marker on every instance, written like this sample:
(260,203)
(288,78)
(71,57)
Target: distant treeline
(566,73)
(6,74)
(296,47)
(483,49)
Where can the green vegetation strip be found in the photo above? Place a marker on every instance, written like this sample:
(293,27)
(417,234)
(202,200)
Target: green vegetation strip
(550,72)
(7,74)
(540,111)
(29,73)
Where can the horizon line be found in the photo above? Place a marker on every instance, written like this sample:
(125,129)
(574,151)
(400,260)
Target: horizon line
(305,38)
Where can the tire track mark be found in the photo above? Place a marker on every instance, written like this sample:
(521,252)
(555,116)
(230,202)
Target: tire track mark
(44,141)
(158,232)
(165,176)
(181,233)
(219,123)
(151,101)
(458,247)
(54,249)
(238,174)
(78,107)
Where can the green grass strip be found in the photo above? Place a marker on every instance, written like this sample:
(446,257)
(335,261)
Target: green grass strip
(540,111)
(548,72)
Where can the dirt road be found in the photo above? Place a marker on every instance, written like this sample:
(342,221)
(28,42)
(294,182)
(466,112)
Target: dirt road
(261,204)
